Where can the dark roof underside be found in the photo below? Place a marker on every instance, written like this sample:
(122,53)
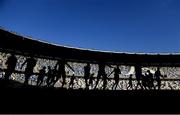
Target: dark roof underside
(23,45)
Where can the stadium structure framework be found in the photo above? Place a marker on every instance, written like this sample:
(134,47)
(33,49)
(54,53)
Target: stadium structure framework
(11,42)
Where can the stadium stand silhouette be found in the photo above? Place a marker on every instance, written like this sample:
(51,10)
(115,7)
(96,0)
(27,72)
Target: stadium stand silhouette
(81,68)
(12,43)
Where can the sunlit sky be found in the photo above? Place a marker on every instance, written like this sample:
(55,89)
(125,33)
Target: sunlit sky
(113,25)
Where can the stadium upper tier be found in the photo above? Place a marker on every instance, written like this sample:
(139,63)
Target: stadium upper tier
(12,42)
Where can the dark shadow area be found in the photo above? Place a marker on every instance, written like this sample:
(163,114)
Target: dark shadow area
(32,99)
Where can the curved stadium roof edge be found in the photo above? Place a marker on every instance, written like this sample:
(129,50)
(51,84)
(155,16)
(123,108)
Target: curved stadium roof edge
(27,45)
(55,44)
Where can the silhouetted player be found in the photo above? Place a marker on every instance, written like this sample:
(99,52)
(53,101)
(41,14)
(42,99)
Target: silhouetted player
(50,77)
(61,71)
(11,65)
(145,81)
(130,85)
(31,63)
(157,76)
(87,74)
(117,71)
(150,81)
(105,81)
(41,76)
(71,84)
(91,80)
(101,72)
(138,72)
(56,75)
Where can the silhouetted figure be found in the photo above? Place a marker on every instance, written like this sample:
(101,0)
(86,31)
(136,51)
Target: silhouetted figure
(11,65)
(117,71)
(87,74)
(61,71)
(50,77)
(71,84)
(31,63)
(145,81)
(138,72)
(55,76)
(91,80)
(101,73)
(41,76)
(157,76)
(130,85)
(105,82)
(150,79)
